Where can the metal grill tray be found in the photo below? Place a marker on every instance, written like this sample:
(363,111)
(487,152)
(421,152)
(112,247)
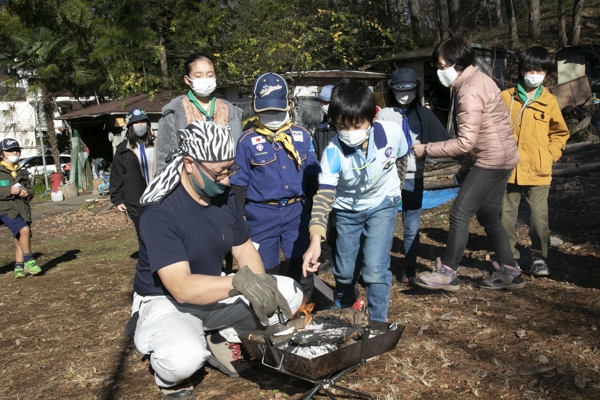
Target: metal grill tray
(346,356)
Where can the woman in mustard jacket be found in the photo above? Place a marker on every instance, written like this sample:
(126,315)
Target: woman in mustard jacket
(541,134)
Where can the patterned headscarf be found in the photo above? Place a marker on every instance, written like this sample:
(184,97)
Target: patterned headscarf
(203,141)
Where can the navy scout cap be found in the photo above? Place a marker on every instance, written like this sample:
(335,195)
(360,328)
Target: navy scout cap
(270,93)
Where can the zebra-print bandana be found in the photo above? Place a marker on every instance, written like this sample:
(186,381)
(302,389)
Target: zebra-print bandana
(203,141)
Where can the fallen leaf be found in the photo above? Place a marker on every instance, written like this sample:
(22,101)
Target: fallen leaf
(471,346)
(510,317)
(580,381)
(542,359)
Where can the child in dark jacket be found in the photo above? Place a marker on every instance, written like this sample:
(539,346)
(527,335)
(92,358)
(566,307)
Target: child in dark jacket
(15,212)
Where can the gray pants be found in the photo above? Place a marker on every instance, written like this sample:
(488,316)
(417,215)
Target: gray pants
(537,214)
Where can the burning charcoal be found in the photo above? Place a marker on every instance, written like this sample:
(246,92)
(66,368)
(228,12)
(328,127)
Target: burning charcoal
(338,318)
(312,338)
(314,351)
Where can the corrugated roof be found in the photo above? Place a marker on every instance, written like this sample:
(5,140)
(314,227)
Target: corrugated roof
(352,74)
(152,105)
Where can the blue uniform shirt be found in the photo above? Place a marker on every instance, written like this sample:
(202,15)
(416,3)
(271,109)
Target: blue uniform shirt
(269,172)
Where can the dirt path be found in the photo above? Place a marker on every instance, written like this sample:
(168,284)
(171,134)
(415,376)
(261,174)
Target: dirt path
(62,333)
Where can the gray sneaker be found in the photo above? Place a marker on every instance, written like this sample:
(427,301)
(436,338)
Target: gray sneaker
(184,390)
(505,277)
(444,278)
(538,265)
(227,357)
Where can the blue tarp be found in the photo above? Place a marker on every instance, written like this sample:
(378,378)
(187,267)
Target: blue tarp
(435,198)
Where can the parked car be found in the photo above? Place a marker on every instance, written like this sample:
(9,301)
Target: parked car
(35,166)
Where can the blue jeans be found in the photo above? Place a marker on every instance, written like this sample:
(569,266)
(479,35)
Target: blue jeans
(364,242)
(481,194)
(412,201)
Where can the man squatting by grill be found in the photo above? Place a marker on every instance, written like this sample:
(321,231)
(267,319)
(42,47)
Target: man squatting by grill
(360,181)
(190,220)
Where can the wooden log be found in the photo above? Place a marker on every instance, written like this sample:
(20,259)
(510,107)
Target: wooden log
(581,125)
(439,184)
(577,147)
(445,171)
(583,168)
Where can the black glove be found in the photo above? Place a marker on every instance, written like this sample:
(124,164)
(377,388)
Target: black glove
(262,293)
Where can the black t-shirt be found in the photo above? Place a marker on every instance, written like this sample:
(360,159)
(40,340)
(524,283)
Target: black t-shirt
(179,229)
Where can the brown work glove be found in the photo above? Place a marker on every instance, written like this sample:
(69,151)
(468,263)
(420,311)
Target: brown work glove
(262,293)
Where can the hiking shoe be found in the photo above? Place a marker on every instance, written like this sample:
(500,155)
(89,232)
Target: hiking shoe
(19,273)
(185,390)
(505,277)
(538,266)
(32,268)
(325,266)
(444,278)
(227,357)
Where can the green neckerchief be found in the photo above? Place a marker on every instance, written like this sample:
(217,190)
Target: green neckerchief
(210,114)
(523,94)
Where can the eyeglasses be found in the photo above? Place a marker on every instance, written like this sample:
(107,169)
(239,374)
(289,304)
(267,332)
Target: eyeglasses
(218,178)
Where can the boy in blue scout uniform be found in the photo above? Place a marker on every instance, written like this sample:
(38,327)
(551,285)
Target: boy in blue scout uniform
(361,182)
(278,172)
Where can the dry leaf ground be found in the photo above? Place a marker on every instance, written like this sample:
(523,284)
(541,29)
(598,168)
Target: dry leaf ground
(61,334)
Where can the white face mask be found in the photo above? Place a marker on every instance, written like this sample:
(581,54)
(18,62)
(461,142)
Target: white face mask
(404,97)
(447,76)
(533,80)
(274,121)
(325,108)
(13,159)
(354,138)
(140,130)
(203,87)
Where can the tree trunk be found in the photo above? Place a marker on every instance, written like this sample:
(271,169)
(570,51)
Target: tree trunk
(512,24)
(576,28)
(499,11)
(562,24)
(164,68)
(48,102)
(444,23)
(454,17)
(534,19)
(413,8)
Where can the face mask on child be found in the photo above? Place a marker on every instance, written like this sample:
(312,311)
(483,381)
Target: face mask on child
(325,108)
(13,159)
(203,87)
(274,121)
(533,80)
(404,97)
(354,138)
(140,130)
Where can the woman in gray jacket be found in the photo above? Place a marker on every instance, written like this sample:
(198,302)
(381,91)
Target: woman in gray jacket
(485,140)
(199,103)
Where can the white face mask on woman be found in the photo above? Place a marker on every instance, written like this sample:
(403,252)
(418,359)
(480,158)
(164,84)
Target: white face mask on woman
(203,87)
(354,138)
(533,80)
(447,76)
(13,159)
(274,121)
(404,97)
(140,130)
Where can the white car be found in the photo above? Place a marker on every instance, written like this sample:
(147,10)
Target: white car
(35,166)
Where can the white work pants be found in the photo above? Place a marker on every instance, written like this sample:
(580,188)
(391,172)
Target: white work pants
(173,333)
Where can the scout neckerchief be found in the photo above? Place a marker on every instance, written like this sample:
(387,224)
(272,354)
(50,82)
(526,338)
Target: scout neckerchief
(281,137)
(211,111)
(405,127)
(12,168)
(525,98)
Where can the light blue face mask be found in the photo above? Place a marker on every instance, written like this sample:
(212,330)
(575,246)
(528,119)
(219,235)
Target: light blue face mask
(211,188)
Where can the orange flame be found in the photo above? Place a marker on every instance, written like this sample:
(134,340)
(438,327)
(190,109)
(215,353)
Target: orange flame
(306,309)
